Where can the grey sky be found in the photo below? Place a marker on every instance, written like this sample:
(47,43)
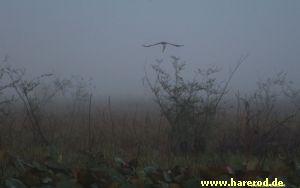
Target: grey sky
(103,39)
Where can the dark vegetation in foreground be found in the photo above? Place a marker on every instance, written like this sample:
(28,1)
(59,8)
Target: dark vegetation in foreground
(54,133)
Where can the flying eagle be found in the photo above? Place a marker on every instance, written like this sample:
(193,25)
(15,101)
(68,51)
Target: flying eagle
(164,45)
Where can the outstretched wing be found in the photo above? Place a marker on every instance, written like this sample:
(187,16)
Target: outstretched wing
(152,44)
(176,45)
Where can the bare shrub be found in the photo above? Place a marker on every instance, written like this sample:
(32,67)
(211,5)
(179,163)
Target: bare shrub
(34,94)
(265,120)
(189,106)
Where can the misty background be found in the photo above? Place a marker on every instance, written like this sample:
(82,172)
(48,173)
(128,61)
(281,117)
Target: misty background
(103,39)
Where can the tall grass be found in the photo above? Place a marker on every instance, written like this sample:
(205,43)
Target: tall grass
(46,110)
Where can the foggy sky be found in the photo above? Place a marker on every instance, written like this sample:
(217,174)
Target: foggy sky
(103,39)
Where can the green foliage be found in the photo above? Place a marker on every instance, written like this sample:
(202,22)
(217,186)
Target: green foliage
(14,183)
(126,174)
(54,153)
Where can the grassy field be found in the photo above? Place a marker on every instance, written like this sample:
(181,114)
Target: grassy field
(121,146)
(55,133)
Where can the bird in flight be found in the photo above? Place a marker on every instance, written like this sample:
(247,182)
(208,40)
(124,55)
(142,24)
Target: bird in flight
(164,45)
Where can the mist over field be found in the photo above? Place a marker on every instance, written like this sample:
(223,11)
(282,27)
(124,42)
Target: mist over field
(103,39)
(148,93)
